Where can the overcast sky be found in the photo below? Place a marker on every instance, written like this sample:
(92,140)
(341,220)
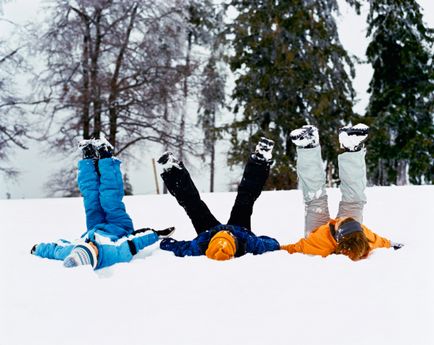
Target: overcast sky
(36,166)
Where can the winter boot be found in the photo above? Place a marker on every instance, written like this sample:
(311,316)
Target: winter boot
(352,138)
(87,148)
(306,137)
(165,233)
(263,150)
(104,148)
(168,161)
(82,254)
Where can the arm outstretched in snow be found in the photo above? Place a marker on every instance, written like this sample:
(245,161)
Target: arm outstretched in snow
(319,242)
(124,249)
(109,252)
(181,248)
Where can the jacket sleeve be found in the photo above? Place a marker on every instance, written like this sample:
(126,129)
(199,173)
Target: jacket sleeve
(375,241)
(319,242)
(55,250)
(261,244)
(124,249)
(181,248)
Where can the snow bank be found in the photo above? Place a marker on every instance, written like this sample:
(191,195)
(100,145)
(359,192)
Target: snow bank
(275,298)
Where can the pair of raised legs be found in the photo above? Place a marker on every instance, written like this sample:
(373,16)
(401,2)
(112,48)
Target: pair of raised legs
(181,186)
(312,178)
(110,237)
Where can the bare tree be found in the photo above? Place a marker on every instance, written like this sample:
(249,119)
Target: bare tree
(63,183)
(212,80)
(108,62)
(13,125)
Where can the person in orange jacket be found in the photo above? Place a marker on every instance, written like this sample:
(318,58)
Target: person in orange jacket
(345,234)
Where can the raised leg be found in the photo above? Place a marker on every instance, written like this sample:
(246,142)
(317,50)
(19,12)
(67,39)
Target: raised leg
(181,186)
(89,184)
(111,192)
(254,177)
(352,172)
(311,177)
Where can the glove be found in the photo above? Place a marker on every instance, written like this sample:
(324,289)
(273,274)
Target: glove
(167,242)
(165,233)
(396,246)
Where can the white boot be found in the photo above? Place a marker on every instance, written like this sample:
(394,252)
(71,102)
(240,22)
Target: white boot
(351,138)
(263,150)
(306,137)
(168,161)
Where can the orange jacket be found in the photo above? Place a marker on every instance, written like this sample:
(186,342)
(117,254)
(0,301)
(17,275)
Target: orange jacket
(321,242)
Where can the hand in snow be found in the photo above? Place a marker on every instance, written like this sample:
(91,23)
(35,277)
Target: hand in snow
(396,246)
(166,243)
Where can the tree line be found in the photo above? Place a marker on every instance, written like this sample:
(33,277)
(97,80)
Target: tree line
(135,71)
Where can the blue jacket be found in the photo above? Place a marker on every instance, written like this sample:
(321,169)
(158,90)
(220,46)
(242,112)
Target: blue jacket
(247,242)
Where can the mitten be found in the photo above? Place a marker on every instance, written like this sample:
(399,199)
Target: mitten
(396,246)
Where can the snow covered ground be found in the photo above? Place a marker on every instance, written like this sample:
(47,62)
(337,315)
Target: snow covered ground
(275,298)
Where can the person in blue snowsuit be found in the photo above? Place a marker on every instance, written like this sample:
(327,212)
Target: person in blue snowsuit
(216,240)
(110,237)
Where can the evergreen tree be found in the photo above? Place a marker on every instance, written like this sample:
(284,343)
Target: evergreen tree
(291,70)
(401,105)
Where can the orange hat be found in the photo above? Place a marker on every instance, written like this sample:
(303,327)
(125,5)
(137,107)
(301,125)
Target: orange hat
(222,246)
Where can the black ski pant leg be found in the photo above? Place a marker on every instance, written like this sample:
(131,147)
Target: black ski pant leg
(181,186)
(254,177)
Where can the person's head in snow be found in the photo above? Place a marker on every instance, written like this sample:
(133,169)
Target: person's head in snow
(223,246)
(216,240)
(351,240)
(345,234)
(110,237)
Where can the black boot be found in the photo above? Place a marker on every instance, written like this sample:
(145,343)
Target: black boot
(88,149)
(104,148)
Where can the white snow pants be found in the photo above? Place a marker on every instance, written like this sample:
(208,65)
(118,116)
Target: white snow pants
(312,179)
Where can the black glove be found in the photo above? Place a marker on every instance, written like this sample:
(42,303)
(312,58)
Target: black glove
(396,246)
(165,233)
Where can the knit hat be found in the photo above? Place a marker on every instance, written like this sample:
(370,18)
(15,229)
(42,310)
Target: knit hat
(346,229)
(81,254)
(222,246)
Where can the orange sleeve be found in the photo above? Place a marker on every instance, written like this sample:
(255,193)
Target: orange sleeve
(375,241)
(319,242)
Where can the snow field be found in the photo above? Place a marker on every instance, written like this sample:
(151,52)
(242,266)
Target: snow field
(275,298)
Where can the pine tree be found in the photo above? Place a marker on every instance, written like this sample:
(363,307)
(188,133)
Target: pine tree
(401,105)
(292,70)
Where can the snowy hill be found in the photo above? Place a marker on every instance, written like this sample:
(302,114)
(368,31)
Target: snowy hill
(275,298)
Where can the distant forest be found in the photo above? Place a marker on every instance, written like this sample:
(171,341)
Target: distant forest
(134,70)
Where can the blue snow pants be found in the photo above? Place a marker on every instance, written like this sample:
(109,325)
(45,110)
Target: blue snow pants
(108,224)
